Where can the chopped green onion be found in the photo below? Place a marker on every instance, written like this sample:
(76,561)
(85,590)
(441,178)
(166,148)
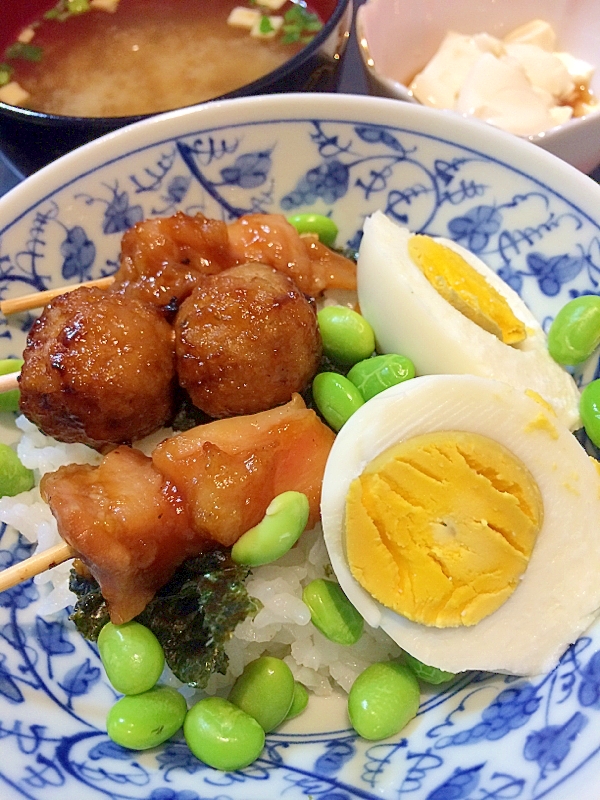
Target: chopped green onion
(300,25)
(78,6)
(29,52)
(5,74)
(265,26)
(291,35)
(67,8)
(312,26)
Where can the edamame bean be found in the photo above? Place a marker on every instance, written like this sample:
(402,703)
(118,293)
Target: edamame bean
(373,375)
(9,401)
(14,477)
(575,331)
(382,700)
(222,735)
(141,721)
(132,656)
(589,409)
(265,690)
(324,227)
(425,673)
(299,701)
(278,531)
(336,397)
(332,613)
(347,336)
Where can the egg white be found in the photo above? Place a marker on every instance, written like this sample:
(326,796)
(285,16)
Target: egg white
(559,593)
(411,318)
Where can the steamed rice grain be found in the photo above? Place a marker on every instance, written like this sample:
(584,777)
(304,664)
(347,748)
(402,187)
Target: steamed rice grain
(282,626)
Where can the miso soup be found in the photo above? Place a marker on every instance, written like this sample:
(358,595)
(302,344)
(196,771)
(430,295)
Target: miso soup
(148,56)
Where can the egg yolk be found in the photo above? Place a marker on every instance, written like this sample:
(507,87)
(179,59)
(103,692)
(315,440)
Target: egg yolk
(465,289)
(440,527)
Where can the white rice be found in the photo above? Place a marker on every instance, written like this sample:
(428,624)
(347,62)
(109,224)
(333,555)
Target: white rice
(282,627)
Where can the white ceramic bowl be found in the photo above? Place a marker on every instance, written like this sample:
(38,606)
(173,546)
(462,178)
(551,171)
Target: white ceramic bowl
(530,216)
(398,37)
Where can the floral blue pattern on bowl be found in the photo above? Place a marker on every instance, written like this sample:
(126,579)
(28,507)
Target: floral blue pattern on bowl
(534,220)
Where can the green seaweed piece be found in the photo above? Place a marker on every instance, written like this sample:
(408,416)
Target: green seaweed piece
(90,613)
(195,614)
(187,415)
(192,616)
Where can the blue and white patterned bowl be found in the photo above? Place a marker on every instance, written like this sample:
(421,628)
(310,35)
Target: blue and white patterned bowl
(531,217)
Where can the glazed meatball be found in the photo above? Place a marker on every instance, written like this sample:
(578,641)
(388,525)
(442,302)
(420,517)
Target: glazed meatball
(99,369)
(162,258)
(246,340)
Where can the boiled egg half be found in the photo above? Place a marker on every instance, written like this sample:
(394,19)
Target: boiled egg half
(432,300)
(462,517)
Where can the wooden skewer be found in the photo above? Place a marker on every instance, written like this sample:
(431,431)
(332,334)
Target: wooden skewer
(9,381)
(33,566)
(39,299)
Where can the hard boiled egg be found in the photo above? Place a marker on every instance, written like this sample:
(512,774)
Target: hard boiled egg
(467,506)
(462,319)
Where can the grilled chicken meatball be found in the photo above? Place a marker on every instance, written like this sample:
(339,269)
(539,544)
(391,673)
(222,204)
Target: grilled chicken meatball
(246,340)
(162,258)
(99,369)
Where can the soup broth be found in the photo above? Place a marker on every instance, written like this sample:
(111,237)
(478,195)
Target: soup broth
(148,56)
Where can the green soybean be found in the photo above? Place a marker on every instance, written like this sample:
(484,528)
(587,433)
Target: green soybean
(575,331)
(373,375)
(425,673)
(336,397)
(265,690)
(382,700)
(222,735)
(141,721)
(589,409)
(9,401)
(299,701)
(132,656)
(14,477)
(347,336)
(279,530)
(332,613)
(324,227)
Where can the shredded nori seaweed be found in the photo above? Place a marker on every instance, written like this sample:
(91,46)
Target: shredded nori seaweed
(187,415)
(192,616)
(90,614)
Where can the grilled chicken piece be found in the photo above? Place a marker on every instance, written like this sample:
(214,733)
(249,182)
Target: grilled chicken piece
(128,523)
(270,239)
(133,519)
(162,258)
(228,471)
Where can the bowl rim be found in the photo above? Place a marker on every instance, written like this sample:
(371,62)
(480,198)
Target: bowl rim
(402,92)
(516,153)
(255,87)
